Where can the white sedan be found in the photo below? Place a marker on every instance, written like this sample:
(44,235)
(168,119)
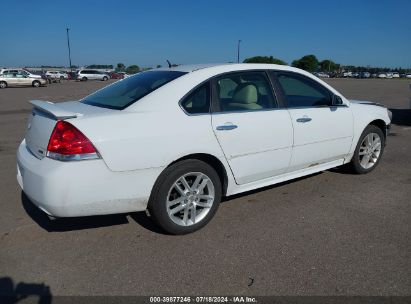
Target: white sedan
(174,141)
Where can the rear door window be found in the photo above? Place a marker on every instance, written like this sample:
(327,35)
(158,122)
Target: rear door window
(244,91)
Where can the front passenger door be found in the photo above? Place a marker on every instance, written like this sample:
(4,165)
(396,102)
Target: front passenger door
(322,132)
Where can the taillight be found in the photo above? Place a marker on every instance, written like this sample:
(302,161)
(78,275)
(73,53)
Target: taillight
(68,143)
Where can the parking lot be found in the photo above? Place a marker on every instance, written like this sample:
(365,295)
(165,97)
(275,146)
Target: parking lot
(332,233)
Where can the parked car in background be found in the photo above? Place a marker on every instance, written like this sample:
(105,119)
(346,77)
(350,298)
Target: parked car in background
(322,75)
(124,74)
(118,75)
(389,75)
(395,75)
(347,74)
(85,75)
(115,75)
(72,75)
(382,75)
(407,75)
(20,72)
(20,80)
(124,148)
(365,75)
(64,74)
(54,75)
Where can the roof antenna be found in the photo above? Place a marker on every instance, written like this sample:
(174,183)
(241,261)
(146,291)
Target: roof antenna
(169,64)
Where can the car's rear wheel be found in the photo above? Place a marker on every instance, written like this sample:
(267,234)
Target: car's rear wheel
(3,84)
(36,83)
(84,79)
(105,78)
(369,150)
(185,197)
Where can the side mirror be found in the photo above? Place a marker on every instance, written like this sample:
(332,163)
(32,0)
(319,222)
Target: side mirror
(337,101)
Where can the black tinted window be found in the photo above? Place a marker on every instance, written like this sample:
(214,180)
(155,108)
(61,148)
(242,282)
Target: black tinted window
(301,91)
(123,93)
(198,102)
(246,91)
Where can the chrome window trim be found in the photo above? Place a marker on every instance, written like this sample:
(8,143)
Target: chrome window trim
(249,111)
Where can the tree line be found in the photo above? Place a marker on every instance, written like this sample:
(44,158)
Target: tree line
(310,63)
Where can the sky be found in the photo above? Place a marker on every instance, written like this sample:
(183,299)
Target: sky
(147,33)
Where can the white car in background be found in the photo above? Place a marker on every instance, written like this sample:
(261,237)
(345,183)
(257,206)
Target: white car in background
(382,75)
(19,71)
(395,75)
(54,75)
(57,75)
(174,141)
(64,75)
(87,74)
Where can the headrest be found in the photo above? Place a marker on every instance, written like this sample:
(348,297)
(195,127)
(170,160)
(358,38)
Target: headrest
(245,93)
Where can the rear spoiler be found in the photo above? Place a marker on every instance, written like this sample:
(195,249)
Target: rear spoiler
(53,109)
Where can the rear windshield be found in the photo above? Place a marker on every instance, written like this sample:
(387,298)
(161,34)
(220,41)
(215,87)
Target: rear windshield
(123,93)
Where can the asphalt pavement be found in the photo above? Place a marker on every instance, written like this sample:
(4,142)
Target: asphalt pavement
(331,233)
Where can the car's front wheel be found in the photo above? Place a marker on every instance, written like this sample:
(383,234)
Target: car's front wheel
(185,197)
(105,78)
(369,150)
(3,84)
(36,83)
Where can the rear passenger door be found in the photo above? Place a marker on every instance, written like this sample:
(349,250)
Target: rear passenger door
(252,128)
(11,79)
(322,132)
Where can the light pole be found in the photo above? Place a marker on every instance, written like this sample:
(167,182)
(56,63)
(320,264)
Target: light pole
(238,51)
(68,45)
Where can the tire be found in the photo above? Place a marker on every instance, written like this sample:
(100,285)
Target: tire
(3,84)
(36,83)
(84,79)
(364,150)
(201,206)
(105,78)
(61,77)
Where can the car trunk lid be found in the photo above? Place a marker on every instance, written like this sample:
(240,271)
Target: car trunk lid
(44,117)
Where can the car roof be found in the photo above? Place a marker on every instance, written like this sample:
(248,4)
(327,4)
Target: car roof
(225,67)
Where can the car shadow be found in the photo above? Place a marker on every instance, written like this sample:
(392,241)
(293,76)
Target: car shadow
(146,222)
(72,223)
(11,293)
(401,117)
(344,169)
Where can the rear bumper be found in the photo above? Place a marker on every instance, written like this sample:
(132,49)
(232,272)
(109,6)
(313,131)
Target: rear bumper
(82,188)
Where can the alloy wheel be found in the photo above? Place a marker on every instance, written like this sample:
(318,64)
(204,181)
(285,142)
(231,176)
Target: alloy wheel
(190,198)
(370,150)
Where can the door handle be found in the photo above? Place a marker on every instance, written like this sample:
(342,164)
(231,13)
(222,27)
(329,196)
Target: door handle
(226,127)
(303,119)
